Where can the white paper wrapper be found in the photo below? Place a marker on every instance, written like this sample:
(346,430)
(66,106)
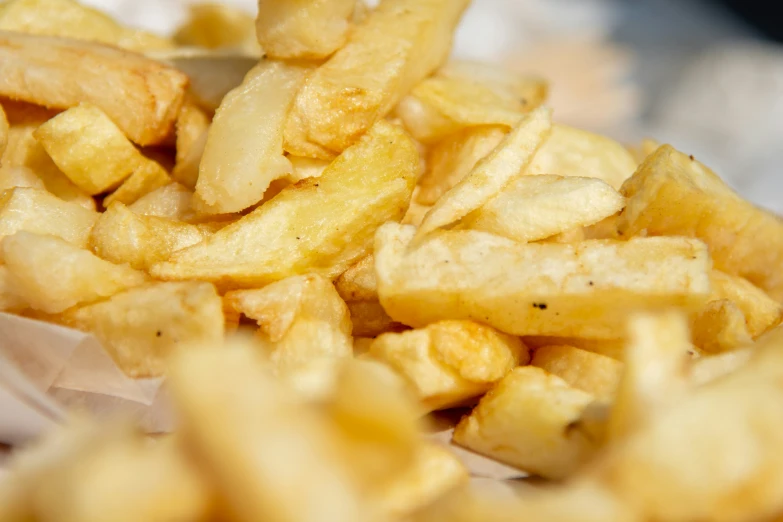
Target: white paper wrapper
(47,370)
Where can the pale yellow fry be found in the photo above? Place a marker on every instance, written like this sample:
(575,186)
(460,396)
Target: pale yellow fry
(244,148)
(594,373)
(530,208)
(720,327)
(214,26)
(148,177)
(70,19)
(171,201)
(399,44)
(303,29)
(142,96)
(320,225)
(492,173)
(587,289)
(192,122)
(760,311)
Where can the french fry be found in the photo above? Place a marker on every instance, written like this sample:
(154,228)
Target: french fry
(369,184)
(574,152)
(192,123)
(244,148)
(491,174)
(92,151)
(52,275)
(303,30)
(3,132)
(761,313)
(720,327)
(370,319)
(398,45)
(358,283)
(37,211)
(531,208)
(70,19)
(142,327)
(450,362)
(148,177)
(122,236)
(186,170)
(672,194)
(524,422)
(61,73)
(10,300)
(216,26)
(584,290)
(304,168)
(593,373)
(11,177)
(172,201)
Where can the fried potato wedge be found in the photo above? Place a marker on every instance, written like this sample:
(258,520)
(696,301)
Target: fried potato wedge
(172,201)
(524,421)
(321,225)
(450,362)
(92,151)
(216,26)
(530,208)
(614,348)
(591,372)
(301,318)
(69,19)
(52,275)
(142,327)
(226,400)
(37,211)
(588,289)
(192,123)
(761,312)
(654,376)
(61,73)
(244,148)
(148,177)
(671,194)
(452,158)
(122,236)
(492,173)
(303,29)
(574,152)
(465,94)
(358,283)
(398,45)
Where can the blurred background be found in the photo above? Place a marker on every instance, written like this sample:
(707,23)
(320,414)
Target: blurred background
(706,76)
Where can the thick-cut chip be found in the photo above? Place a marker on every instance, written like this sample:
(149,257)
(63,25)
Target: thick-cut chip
(468,95)
(587,289)
(142,327)
(530,208)
(524,422)
(11,177)
(142,96)
(399,44)
(91,150)
(358,283)
(302,318)
(594,373)
(52,275)
(492,173)
(70,19)
(244,148)
(720,327)
(673,194)
(228,403)
(450,362)
(192,123)
(760,311)
(451,159)
(216,26)
(122,236)
(575,152)
(434,472)
(186,171)
(148,177)
(303,29)
(10,300)
(304,168)
(35,210)
(654,376)
(171,201)
(320,225)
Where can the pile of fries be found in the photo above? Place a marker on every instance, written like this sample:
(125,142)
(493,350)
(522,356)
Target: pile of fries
(359,234)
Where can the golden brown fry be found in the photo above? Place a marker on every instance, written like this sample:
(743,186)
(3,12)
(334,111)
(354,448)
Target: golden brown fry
(596,374)
(140,95)
(3,132)
(10,300)
(588,289)
(37,211)
(142,327)
(321,225)
(52,275)
(171,201)
(399,44)
(244,148)
(613,348)
(672,194)
(122,236)
(148,177)
(192,122)
(450,362)
(760,311)
(358,283)
(370,319)
(492,173)
(452,158)
(720,327)
(216,26)
(303,29)
(524,422)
